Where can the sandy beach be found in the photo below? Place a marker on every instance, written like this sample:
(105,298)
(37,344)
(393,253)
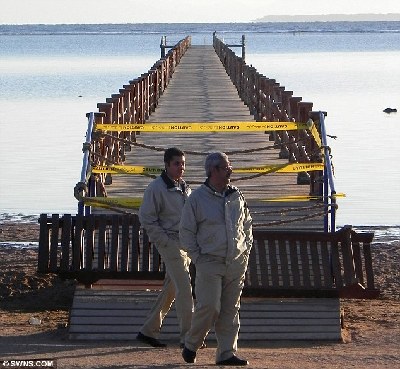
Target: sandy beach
(371,333)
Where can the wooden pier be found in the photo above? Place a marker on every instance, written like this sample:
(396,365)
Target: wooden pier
(299,265)
(200,90)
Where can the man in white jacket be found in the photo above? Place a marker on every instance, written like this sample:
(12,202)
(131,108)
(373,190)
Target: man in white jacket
(216,231)
(160,214)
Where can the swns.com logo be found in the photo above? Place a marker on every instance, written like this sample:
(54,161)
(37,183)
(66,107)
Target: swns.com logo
(37,363)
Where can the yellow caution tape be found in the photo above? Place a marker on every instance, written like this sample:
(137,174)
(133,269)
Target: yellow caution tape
(314,131)
(135,202)
(301,198)
(278,168)
(196,127)
(282,168)
(126,169)
(124,202)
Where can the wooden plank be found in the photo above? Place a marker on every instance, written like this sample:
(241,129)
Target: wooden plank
(273,263)
(252,277)
(125,244)
(305,264)
(292,304)
(43,252)
(65,241)
(348,262)
(292,336)
(358,265)
(336,265)
(114,254)
(315,263)
(252,337)
(101,242)
(89,247)
(294,263)
(146,252)
(53,265)
(326,265)
(368,266)
(77,251)
(135,245)
(284,265)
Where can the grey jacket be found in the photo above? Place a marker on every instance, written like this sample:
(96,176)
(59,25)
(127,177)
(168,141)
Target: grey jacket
(161,210)
(216,224)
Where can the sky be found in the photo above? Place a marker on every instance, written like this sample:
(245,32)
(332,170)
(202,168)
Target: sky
(177,11)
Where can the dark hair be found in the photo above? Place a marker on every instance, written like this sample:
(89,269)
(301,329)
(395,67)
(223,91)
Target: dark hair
(171,152)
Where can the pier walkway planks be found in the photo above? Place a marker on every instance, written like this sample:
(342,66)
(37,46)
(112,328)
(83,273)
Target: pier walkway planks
(201,91)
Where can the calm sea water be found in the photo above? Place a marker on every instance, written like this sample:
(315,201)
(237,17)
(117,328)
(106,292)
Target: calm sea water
(51,76)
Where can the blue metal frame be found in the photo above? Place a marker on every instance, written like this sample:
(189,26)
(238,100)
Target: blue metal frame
(85,172)
(329,185)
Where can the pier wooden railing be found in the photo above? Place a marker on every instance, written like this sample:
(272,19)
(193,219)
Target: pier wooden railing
(282,263)
(133,104)
(269,101)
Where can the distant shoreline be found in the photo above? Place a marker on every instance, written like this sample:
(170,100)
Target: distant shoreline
(327,18)
(390,17)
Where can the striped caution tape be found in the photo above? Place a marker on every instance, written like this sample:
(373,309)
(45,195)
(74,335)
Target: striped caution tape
(314,131)
(123,202)
(126,169)
(196,127)
(282,168)
(300,198)
(135,202)
(278,168)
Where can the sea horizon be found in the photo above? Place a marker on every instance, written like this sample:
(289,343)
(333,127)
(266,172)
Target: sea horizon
(278,18)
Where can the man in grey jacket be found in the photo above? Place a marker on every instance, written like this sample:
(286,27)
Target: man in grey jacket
(216,231)
(160,214)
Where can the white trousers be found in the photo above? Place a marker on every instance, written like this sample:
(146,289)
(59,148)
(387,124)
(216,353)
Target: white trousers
(176,288)
(218,290)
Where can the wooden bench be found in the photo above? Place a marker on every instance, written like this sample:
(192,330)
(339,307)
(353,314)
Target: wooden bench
(292,289)
(311,264)
(89,248)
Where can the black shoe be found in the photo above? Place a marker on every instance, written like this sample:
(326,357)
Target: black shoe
(150,340)
(234,360)
(188,355)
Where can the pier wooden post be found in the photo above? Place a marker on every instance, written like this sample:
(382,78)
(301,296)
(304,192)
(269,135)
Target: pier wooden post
(243,49)
(162,45)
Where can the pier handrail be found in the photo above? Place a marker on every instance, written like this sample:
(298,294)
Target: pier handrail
(329,183)
(133,104)
(269,101)
(82,184)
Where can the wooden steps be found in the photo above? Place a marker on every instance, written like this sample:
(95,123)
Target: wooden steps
(117,313)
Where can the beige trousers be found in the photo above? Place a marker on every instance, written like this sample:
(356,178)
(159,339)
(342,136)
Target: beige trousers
(218,289)
(176,288)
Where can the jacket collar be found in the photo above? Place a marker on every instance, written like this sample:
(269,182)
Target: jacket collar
(170,183)
(229,189)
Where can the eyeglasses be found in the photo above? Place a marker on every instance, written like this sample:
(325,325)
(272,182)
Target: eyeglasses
(225,168)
